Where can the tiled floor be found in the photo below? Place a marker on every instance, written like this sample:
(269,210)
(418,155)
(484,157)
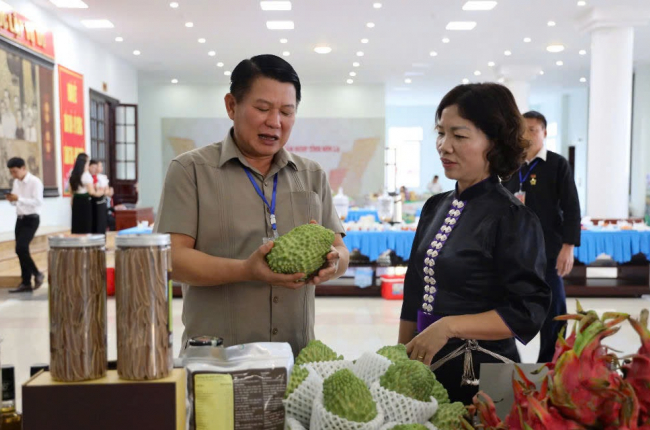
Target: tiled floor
(349,325)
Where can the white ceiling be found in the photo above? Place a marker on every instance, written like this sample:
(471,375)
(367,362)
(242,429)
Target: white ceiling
(405,32)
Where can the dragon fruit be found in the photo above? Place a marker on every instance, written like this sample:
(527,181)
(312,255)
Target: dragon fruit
(637,373)
(584,387)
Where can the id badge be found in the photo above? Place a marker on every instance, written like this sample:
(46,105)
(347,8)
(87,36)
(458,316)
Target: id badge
(521,195)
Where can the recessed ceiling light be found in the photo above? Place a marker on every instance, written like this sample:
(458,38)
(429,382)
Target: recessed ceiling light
(212,53)
(356,64)
(555,48)
(527,40)
(360,54)
(119,39)
(582,52)
(541,72)
(582,3)
(279,25)
(70,4)
(219,64)
(284,41)
(227,73)
(407,81)
(461,25)
(376,5)
(201,40)
(479,5)
(353,74)
(370,25)
(433,53)
(364,41)
(502,80)
(466,81)
(491,64)
(350,81)
(583,80)
(173,5)
(189,24)
(445,40)
(97,23)
(174,81)
(286,53)
(551,24)
(322,49)
(560,63)
(136,52)
(275,5)
(477,73)
(507,53)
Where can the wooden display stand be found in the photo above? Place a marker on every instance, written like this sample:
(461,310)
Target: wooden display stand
(127,218)
(104,404)
(626,280)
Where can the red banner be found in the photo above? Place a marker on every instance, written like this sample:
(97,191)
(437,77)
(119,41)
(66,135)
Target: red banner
(16,27)
(73,140)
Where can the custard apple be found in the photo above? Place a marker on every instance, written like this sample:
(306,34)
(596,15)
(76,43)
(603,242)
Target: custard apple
(394,353)
(449,416)
(316,351)
(303,250)
(298,375)
(348,397)
(410,378)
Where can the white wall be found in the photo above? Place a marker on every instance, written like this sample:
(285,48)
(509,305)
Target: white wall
(640,140)
(77,52)
(194,101)
(425,117)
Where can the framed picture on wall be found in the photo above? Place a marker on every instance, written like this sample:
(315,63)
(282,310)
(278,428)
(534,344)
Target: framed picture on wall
(27,116)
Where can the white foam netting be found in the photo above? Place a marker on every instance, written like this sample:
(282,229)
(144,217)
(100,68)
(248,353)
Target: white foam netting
(299,403)
(402,409)
(389,426)
(370,367)
(293,424)
(321,419)
(327,368)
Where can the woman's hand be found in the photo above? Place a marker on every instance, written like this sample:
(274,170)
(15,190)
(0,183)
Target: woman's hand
(428,343)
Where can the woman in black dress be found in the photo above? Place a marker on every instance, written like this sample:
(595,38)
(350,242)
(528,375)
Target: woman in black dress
(83,190)
(475,280)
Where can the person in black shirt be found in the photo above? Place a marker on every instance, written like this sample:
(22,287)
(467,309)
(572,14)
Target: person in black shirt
(476,272)
(545,184)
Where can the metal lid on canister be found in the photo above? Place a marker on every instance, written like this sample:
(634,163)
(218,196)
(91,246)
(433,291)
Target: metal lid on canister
(77,240)
(142,240)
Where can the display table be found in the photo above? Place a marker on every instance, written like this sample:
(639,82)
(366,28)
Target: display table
(127,218)
(356,214)
(373,243)
(621,245)
(628,277)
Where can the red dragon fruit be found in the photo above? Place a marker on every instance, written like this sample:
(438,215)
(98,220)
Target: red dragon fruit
(584,386)
(637,373)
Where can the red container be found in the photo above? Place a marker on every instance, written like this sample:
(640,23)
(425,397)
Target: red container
(392,287)
(110,282)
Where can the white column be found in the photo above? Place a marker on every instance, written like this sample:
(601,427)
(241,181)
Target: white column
(610,109)
(518,79)
(640,140)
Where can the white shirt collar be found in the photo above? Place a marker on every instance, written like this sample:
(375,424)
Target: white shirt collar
(27,178)
(542,154)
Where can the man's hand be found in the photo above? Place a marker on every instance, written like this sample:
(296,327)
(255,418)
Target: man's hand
(12,197)
(565,260)
(329,269)
(258,270)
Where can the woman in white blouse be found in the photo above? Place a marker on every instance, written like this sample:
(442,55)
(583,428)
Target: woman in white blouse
(83,189)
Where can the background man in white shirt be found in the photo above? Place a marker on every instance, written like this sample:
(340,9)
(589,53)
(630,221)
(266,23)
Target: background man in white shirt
(27,196)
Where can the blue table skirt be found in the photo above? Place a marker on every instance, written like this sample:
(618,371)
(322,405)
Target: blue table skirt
(621,245)
(373,243)
(355,215)
(135,230)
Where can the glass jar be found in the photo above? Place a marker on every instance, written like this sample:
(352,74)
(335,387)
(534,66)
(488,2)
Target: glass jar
(143,297)
(77,296)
